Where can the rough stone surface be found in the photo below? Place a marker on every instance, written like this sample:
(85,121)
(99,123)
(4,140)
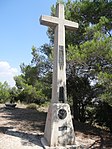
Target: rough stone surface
(59,129)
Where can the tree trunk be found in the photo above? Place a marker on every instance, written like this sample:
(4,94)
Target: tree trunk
(75,109)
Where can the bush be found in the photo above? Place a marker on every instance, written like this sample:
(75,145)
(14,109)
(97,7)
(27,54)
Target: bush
(32,106)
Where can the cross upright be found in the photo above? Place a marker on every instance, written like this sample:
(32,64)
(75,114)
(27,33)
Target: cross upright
(59,69)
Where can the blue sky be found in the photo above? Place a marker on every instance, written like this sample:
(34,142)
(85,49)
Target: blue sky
(20,29)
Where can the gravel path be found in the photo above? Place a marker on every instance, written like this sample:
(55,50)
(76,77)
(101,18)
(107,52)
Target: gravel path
(19,142)
(18,128)
(22,128)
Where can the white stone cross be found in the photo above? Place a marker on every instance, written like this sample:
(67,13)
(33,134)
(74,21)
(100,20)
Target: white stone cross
(59,68)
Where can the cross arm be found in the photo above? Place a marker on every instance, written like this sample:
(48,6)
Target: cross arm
(53,21)
(49,21)
(71,25)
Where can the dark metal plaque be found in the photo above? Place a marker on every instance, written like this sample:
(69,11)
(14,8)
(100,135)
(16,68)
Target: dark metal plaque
(62,128)
(61,94)
(62,113)
(61,56)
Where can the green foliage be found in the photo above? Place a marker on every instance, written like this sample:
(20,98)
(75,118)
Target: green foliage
(95,56)
(31,94)
(89,55)
(34,82)
(81,92)
(4,92)
(105,79)
(32,106)
(97,46)
(13,94)
(103,115)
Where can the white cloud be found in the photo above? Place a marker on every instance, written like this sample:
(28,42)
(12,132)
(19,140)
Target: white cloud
(7,73)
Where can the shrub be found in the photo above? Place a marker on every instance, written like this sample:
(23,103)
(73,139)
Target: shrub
(32,106)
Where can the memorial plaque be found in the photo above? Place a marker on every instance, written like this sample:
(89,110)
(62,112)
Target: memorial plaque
(61,57)
(62,114)
(61,94)
(62,128)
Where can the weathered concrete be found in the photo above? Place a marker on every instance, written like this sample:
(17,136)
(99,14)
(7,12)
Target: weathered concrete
(59,132)
(59,69)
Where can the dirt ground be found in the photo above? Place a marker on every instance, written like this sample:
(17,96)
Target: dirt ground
(22,128)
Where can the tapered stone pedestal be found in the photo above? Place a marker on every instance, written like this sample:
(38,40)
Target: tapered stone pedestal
(59,132)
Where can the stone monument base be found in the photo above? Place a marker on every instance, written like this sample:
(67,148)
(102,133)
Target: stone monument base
(59,131)
(46,146)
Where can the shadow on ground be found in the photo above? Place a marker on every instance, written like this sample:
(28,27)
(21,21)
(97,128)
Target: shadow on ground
(24,119)
(27,138)
(103,139)
(27,124)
